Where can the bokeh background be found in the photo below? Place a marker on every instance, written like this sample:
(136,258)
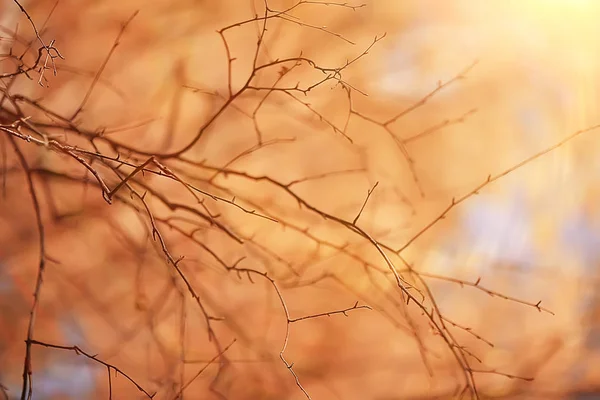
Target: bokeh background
(529,80)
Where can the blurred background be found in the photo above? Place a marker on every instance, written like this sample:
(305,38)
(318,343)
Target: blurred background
(455,92)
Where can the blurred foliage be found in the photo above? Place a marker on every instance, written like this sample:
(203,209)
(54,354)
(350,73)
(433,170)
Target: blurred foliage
(251,200)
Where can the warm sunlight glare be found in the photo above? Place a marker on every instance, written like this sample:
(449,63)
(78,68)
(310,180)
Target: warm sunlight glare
(298,199)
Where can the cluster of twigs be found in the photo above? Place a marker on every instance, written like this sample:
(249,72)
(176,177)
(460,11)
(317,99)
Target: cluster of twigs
(131,176)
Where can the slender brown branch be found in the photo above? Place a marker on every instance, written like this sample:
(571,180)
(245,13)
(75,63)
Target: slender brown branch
(27,389)
(489,180)
(103,66)
(364,203)
(208,364)
(330,313)
(95,358)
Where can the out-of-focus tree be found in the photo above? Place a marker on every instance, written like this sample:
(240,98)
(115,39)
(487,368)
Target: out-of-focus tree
(196,194)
